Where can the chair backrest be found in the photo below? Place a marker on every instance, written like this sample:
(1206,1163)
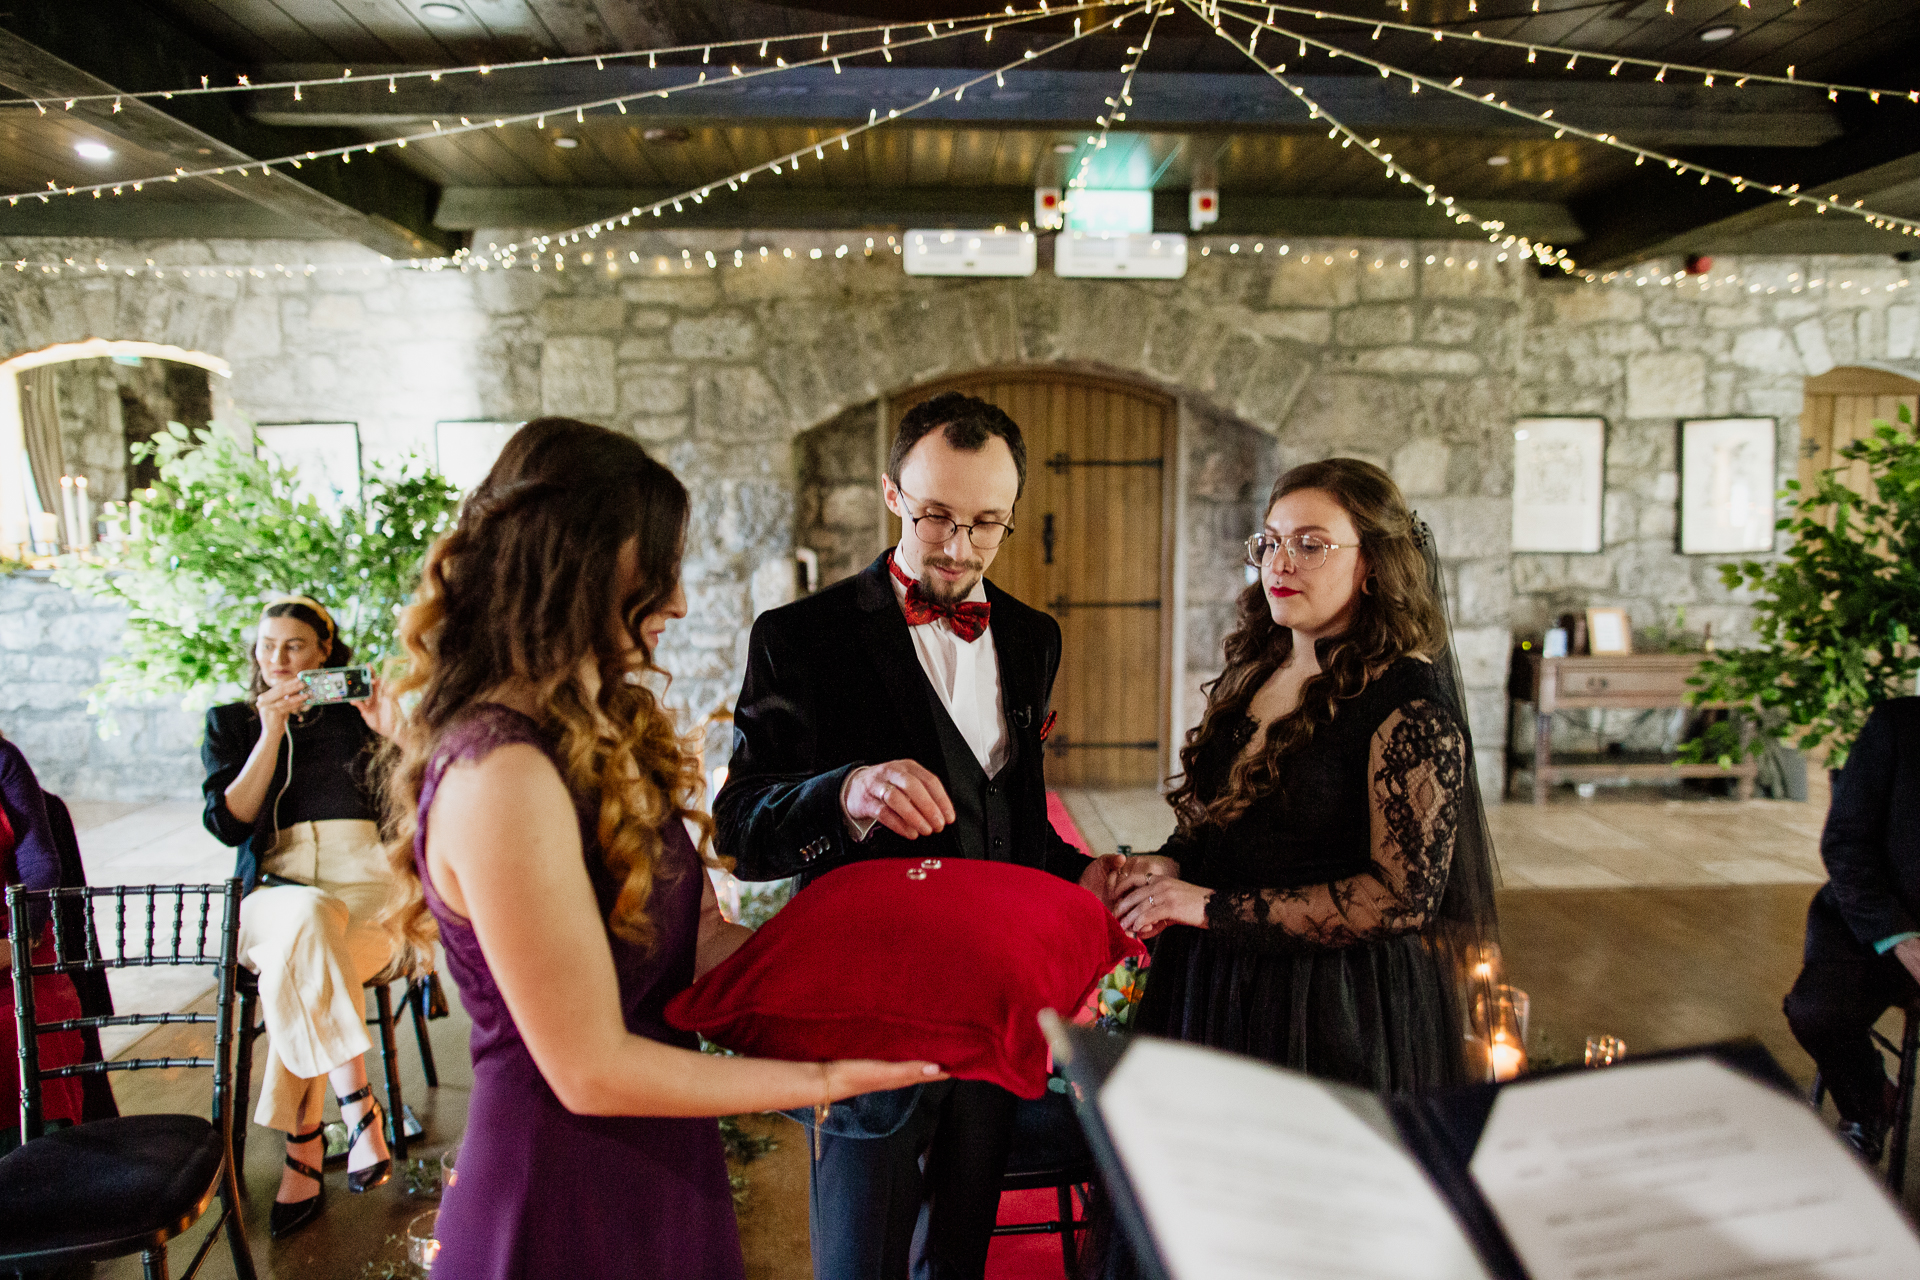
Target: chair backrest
(126,926)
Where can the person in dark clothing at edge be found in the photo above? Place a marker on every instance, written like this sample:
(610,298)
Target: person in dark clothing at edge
(900,713)
(1863,928)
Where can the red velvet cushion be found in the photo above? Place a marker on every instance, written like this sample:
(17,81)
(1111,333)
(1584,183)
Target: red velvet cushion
(947,960)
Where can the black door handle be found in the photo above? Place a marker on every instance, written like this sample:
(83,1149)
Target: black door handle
(1046,538)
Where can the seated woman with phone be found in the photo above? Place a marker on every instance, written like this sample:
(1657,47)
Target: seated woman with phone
(287,783)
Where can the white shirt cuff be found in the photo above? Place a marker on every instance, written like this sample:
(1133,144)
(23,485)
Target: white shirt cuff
(857,829)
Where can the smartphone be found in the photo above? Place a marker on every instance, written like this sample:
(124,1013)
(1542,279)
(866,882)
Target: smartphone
(338,684)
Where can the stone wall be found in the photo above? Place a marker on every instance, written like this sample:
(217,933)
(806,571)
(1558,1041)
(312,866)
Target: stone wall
(837,475)
(52,642)
(1417,356)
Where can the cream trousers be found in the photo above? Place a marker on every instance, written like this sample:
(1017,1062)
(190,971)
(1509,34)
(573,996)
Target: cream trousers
(314,946)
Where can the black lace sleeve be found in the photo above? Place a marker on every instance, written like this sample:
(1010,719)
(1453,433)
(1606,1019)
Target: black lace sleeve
(1416,769)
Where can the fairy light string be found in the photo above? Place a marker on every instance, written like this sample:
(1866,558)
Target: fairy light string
(395,79)
(735,74)
(1117,105)
(1710,76)
(1492,228)
(1791,193)
(792,159)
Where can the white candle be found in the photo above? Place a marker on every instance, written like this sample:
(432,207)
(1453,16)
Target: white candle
(83,511)
(46,532)
(133,520)
(1508,1058)
(67,512)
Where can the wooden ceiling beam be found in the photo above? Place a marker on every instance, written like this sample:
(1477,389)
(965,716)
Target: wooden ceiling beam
(52,49)
(1656,114)
(893,208)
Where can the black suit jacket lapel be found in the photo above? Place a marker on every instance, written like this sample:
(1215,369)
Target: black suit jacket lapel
(883,633)
(1018,659)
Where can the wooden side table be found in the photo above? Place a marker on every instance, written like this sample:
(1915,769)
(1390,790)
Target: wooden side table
(1638,681)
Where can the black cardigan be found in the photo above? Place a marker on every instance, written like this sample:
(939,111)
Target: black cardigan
(1871,843)
(332,779)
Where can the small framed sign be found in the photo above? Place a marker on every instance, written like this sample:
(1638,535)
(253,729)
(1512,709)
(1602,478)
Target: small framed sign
(1609,631)
(324,455)
(1559,476)
(1727,485)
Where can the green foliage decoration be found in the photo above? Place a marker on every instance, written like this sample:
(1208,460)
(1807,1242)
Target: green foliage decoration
(1836,614)
(226,529)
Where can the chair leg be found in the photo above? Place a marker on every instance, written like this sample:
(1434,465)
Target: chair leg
(153,1264)
(243,1075)
(390,1063)
(236,1229)
(417,995)
(1819,1092)
(1903,1103)
(1068,1251)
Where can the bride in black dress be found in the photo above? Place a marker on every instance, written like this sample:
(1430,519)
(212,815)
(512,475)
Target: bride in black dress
(1326,902)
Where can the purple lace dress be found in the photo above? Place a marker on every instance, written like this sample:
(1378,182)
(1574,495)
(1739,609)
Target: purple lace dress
(544,1193)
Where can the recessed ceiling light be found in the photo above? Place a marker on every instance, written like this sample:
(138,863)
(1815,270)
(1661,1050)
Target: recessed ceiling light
(665,135)
(93,151)
(1714,35)
(442,12)
(565,143)
(1065,148)
(1497,161)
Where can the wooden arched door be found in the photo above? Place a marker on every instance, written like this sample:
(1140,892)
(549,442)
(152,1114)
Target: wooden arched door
(1093,547)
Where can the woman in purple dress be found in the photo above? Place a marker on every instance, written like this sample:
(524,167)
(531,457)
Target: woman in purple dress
(541,802)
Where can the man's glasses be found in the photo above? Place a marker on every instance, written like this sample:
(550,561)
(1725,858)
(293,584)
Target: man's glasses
(1303,549)
(939,530)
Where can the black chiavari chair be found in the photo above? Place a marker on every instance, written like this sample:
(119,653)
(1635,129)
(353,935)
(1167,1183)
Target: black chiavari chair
(130,1184)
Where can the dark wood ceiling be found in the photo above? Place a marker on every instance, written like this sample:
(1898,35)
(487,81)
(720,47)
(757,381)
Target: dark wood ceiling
(1202,115)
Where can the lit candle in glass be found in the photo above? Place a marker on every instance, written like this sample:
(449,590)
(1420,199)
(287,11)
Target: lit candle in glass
(1508,1058)
(46,533)
(67,511)
(83,514)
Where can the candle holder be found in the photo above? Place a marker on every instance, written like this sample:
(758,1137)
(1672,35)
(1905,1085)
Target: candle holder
(1507,1054)
(448,1173)
(422,1245)
(1604,1050)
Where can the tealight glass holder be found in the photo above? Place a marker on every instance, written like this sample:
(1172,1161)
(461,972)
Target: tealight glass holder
(1604,1051)
(422,1245)
(448,1173)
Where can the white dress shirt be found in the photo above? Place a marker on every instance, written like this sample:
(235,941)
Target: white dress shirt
(966,676)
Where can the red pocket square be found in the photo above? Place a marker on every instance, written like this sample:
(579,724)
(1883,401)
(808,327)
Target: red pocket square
(1046,726)
(944,959)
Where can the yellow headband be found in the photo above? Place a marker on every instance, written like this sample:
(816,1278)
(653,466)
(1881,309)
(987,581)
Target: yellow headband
(306,602)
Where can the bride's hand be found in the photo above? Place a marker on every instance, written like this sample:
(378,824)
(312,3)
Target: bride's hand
(1129,874)
(849,1077)
(1160,901)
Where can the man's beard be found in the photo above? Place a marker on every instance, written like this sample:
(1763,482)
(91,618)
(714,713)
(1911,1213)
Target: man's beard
(941,591)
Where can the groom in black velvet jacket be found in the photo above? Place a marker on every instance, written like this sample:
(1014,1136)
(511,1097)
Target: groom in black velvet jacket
(900,713)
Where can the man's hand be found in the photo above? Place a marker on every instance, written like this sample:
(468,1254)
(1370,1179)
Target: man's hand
(1907,950)
(1128,874)
(902,796)
(1098,876)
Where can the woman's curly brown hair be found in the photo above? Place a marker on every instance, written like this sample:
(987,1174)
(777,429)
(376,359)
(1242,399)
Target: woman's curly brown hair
(1397,615)
(523,588)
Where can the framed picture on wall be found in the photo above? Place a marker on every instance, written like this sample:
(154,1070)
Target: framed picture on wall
(1727,484)
(465,451)
(1559,482)
(325,456)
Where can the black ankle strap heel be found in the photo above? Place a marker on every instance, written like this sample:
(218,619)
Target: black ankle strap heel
(359,1180)
(285,1219)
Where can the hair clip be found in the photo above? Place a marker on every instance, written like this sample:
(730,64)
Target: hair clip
(1421,533)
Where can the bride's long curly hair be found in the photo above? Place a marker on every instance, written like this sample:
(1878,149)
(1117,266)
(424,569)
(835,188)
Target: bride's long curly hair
(523,588)
(1397,615)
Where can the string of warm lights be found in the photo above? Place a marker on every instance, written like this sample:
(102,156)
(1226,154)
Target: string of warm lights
(538,118)
(1710,76)
(600,61)
(1492,228)
(1117,105)
(1683,168)
(791,160)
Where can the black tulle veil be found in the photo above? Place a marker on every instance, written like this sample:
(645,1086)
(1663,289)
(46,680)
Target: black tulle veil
(1465,935)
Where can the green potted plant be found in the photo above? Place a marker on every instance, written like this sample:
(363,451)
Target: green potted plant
(227,527)
(1835,616)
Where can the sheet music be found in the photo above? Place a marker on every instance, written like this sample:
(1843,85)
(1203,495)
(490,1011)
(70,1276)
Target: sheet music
(1247,1172)
(1682,1171)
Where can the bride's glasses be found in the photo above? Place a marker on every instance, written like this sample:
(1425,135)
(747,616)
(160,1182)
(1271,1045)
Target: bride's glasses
(1303,549)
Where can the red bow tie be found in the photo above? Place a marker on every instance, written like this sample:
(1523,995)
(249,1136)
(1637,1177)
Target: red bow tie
(967,619)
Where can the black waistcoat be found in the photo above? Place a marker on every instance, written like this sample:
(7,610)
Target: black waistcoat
(983,818)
